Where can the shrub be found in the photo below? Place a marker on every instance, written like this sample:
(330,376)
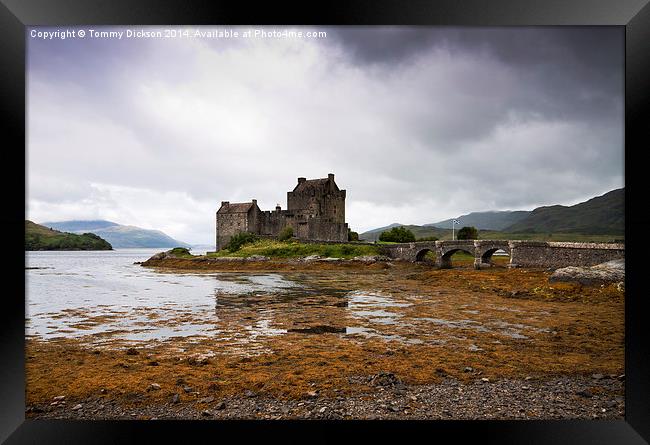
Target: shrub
(285,233)
(237,241)
(353,236)
(397,235)
(468,232)
(180,251)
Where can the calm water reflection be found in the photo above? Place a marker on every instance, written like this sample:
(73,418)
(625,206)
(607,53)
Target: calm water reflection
(103,296)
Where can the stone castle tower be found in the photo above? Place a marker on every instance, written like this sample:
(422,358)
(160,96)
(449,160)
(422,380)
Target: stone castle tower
(315,211)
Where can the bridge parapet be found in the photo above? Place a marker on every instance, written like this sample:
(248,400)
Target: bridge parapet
(522,253)
(562,254)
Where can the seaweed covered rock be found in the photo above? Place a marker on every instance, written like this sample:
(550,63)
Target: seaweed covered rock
(176,252)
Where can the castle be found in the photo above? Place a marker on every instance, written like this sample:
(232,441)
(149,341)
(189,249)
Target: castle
(315,211)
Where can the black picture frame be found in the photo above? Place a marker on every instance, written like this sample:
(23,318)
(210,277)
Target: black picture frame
(15,15)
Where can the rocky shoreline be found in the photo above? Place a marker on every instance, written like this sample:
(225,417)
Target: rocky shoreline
(570,397)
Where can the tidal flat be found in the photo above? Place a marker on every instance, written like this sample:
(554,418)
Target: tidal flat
(279,340)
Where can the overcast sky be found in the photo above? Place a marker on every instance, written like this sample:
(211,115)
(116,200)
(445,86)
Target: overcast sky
(418,124)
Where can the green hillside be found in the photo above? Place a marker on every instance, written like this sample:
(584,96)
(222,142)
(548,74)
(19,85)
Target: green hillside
(39,237)
(600,215)
(600,219)
(118,235)
(494,220)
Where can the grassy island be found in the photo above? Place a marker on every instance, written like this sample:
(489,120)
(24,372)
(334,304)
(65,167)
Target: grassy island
(296,249)
(39,237)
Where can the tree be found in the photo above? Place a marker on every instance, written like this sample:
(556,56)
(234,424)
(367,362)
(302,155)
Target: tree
(428,238)
(239,240)
(468,232)
(353,236)
(397,235)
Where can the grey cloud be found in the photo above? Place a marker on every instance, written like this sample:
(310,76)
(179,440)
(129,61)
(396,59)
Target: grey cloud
(416,123)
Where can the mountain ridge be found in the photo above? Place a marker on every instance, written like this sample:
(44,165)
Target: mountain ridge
(600,215)
(118,235)
(489,220)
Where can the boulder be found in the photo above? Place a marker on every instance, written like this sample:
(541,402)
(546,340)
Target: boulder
(605,273)
(370,258)
(258,258)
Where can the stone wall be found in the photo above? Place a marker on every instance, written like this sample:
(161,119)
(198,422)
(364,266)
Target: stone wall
(556,254)
(271,223)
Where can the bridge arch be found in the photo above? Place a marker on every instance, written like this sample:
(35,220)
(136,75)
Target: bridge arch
(485,250)
(444,257)
(422,253)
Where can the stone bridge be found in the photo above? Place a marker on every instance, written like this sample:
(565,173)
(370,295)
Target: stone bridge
(522,253)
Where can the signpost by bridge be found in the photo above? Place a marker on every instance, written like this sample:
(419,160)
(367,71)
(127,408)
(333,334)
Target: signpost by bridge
(453,223)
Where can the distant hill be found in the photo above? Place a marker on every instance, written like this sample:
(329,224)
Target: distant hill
(38,237)
(600,215)
(381,229)
(118,235)
(494,220)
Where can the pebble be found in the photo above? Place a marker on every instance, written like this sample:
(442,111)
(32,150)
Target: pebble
(187,389)
(485,380)
(132,351)
(556,398)
(468,369)
(585,394)
(597,376)
(176,398)
(57,398)
(77,406)
(154,386)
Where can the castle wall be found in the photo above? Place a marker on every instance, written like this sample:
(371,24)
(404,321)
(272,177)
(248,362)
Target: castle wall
(229,224)
(271,223)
